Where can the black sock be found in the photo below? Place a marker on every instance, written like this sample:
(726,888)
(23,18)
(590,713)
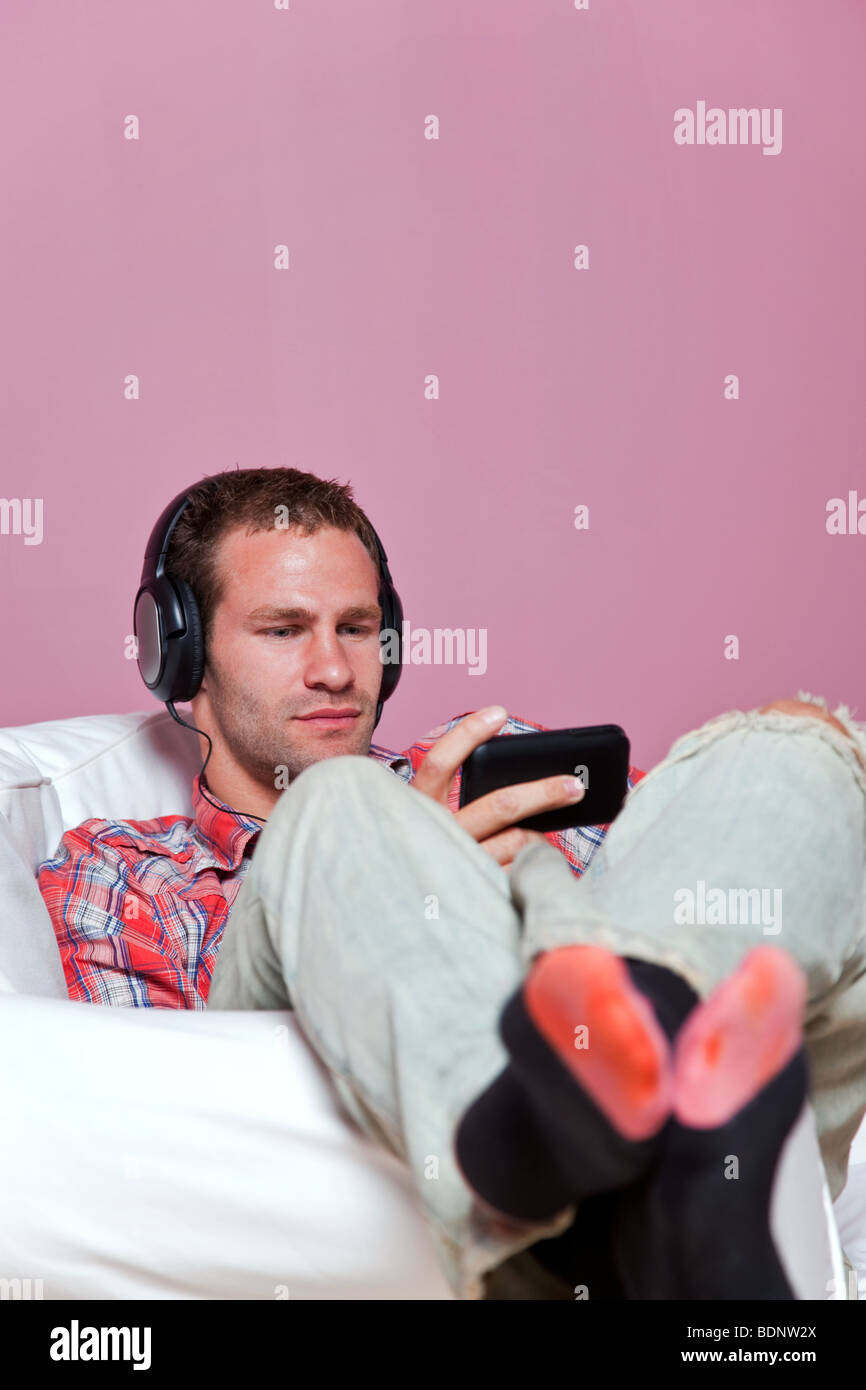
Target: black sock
(584,1254)
(534,1141)
(698,1226)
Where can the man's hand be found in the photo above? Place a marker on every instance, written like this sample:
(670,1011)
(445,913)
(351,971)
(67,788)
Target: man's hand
(489,817)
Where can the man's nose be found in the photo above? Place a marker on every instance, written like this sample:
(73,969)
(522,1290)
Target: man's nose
(328,664)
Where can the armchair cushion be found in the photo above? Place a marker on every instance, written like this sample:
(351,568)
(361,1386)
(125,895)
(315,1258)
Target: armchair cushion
(253,1182)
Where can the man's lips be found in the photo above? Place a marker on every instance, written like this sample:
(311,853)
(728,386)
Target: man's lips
(330,719)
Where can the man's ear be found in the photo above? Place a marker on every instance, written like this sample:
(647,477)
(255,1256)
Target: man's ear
(199,700)
(205,678)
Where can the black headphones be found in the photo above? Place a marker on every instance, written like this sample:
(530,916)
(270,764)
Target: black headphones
(168,628)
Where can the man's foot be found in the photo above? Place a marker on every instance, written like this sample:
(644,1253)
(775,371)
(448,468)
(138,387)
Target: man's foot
(739,1039)
(589,1086)
(698,1226)
(581,1001)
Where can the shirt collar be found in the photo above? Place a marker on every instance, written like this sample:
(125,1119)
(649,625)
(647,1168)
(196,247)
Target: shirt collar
(224,832)
(395,762)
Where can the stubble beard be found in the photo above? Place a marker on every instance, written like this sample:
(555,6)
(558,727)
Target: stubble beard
(260,742)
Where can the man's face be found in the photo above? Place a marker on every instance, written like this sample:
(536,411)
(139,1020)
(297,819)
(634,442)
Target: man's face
(296,632)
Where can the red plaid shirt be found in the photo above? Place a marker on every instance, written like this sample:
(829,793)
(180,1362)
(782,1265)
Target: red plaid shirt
(139,907)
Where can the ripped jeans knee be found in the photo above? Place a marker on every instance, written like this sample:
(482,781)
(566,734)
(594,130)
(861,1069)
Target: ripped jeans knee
(817,708)
(839,729)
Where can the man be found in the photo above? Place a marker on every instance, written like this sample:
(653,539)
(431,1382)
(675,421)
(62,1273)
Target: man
(563,1066)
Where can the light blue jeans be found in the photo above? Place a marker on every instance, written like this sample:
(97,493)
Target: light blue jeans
(397,939)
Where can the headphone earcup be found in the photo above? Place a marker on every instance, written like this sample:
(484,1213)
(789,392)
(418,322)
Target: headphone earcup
(392,618)
(191,656)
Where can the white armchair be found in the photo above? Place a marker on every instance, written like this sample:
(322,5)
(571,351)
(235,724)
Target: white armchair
(154,1153)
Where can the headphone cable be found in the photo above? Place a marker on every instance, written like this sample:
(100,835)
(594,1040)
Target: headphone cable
(201,777)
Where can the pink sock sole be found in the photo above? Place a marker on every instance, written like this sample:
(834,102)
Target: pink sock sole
(737,1040)
(605,1031)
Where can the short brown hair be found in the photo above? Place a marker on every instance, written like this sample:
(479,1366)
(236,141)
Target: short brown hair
(250,497)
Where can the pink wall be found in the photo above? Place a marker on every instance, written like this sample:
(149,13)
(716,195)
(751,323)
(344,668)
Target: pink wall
(410,256)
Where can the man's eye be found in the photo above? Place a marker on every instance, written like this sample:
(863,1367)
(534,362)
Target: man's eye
(347,627)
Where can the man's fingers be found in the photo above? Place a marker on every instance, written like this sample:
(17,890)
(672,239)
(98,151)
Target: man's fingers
(504,807)
(506,846)
(439,766)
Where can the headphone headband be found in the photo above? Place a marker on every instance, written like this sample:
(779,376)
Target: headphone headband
(167,622)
